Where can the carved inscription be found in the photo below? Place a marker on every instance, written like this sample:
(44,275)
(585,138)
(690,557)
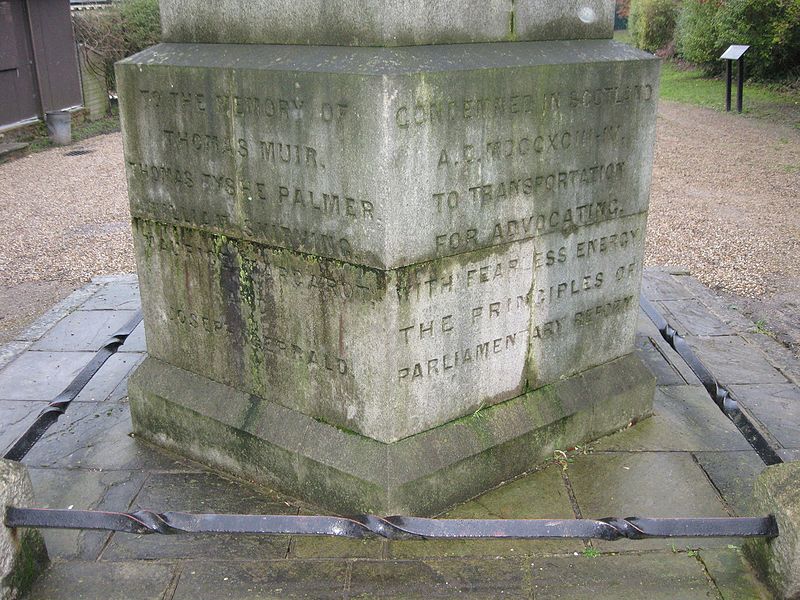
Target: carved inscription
(555,143)
(421,113)
(265,107)
(268,269)
(576,280)
(205,145)
(528,226)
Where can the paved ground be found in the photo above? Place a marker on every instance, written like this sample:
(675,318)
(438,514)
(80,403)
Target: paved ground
(687,460)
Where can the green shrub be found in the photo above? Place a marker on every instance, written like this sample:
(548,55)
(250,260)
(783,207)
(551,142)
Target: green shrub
(771,27)
(652,23)
(698,31)
(141,24)
(110,34)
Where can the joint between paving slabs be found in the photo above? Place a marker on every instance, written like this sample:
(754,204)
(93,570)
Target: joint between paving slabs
(708,576)
(129,508)
(172,587)
(573,500)
(348,578)
(727,506)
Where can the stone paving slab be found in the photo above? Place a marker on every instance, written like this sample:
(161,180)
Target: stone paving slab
(110,382)
(41,375)
(16,416)
(475,578)
(202,493)
(649,352)
(111,581)
(121,296)
(685,420)
(644,577)
(666,356)
(778,355)
(687,460)
(789,455)
(97,435)
(733,360)
(656,484)
(733,474)
(263,580)
(540,495)
(85,330)
(83,490)
(776,406)
(731,574)
(692,317)
(136,341)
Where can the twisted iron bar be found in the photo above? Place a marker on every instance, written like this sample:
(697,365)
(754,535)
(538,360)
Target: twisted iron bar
(145,522)
(719,394)
(51,413)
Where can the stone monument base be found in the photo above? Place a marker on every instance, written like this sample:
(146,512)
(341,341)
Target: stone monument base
(348,473)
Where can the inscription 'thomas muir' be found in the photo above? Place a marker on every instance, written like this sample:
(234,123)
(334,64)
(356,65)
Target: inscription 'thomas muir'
(270,151)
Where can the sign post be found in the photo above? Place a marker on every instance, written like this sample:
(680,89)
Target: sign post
(734,53)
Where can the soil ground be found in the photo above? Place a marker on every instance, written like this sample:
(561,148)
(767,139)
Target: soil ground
(723,206)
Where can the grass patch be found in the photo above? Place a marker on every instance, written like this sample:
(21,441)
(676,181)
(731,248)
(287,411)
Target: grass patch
(690,86)
(681,83)
(80,132)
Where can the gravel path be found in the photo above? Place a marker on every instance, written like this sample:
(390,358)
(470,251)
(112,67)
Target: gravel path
(724,200)
(65,218)
(724,206)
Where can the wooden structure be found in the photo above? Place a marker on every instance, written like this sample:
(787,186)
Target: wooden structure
(38,61)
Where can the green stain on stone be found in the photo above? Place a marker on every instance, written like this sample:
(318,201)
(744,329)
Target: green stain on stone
(30,562)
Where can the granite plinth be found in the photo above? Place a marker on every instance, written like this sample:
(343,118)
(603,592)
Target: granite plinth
(383,22)
(345,472)
(389,157)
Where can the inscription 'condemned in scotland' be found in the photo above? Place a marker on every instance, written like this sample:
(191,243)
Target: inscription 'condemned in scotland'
(426,113)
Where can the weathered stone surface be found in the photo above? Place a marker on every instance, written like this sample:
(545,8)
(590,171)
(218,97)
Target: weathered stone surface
(733,360)
(202,493)
(731,575)
(22,553)
(82,489)
(777,492)
(684,491)
(313,150)
(733,474)
(144,580)
(325,580)
(539,495)
(375,245)
(776,406)
(383,22)
(390,354)
(685,420)
(643,577)
(344,471)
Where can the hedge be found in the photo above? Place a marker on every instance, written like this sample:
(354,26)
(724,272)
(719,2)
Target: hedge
(652,23)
